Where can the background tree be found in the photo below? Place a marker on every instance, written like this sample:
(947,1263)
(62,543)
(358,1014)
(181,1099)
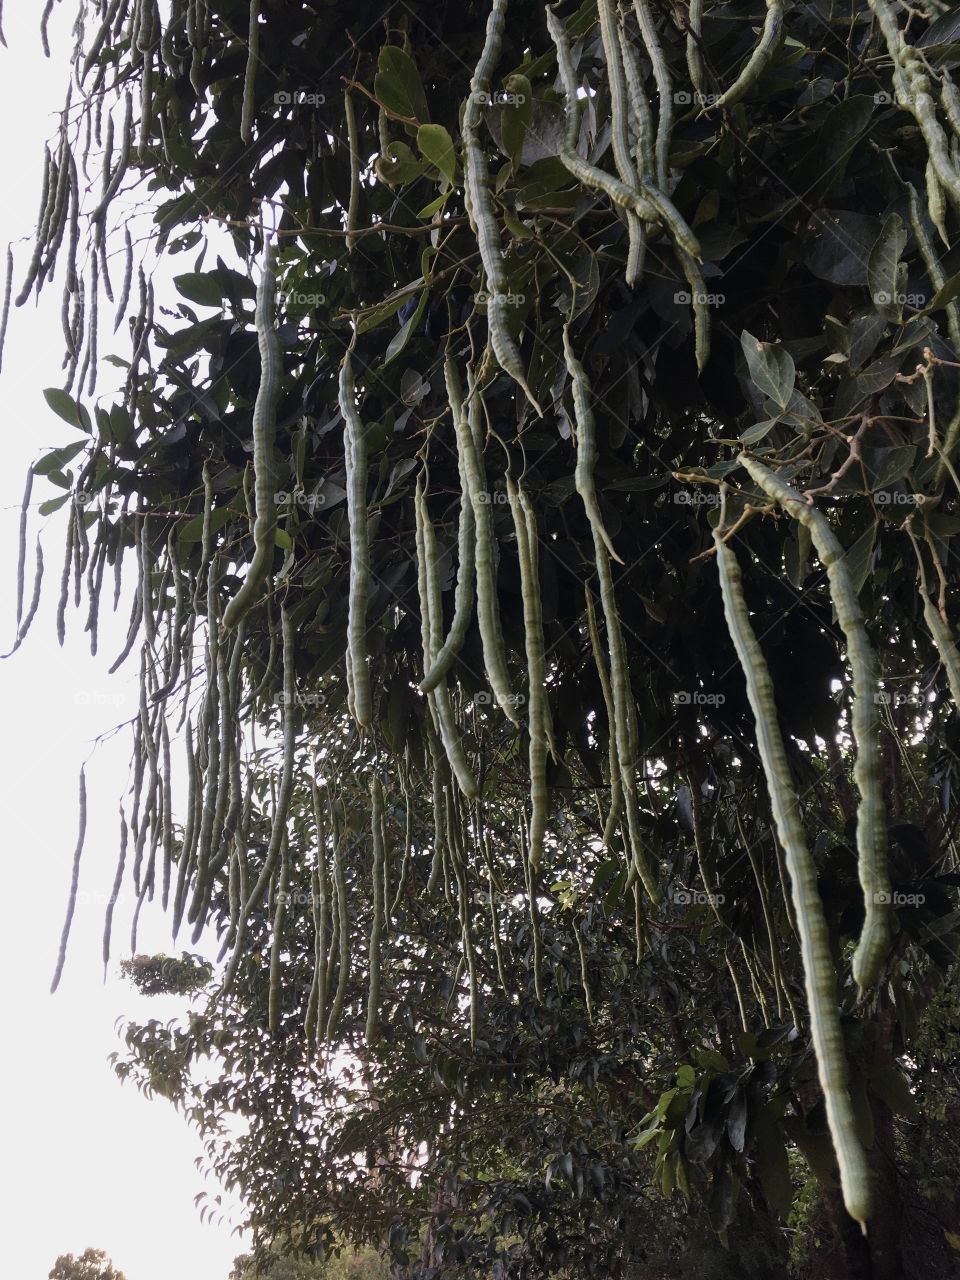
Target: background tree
(538,320)
(92,1264)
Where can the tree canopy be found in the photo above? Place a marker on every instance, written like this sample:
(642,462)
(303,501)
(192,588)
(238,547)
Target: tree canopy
(539,484)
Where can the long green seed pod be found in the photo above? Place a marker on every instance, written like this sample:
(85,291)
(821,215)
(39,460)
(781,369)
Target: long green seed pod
(276,942)
(481,209)
(7,294)
(32,607)
(355,452)
(22,549)
(619,116)
(936,203)
(946,646)
(931,259)
(264,425)
(759,60)
(74,883)
(376,922)
(127,280)
(695,66)
(47,198)
(407,855)
(353,143)
(466,550)
(115,891)
(250,75)
(488,613)
(285,790)
(343,929)
(661,74)
(538,708)
(586,442)
(123,161)
(818,965)
(616,785)
(639,108)
(429,585)
(865,721)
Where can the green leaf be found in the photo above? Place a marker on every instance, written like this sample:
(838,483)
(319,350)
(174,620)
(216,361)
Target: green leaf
(201,287)
(436,145)
(397,86)
(406,331)
(57,458)
(773,1165)
(282,539)
(398,165)
(67,408)
(893,1088)
(946,294)
(756,433)
(771,368)
(53,504)
(858,557)
(192,530)
(516,105)
(884,274)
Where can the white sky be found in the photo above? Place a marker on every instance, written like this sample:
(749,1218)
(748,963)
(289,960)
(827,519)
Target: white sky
(87,1161)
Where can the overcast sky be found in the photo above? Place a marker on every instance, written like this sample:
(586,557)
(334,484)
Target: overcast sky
(87,1161)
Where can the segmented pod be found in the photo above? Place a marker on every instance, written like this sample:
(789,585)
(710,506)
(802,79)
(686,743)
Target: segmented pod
(355,454)
(759,60)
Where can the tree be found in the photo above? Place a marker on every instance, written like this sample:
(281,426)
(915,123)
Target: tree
(93,1264)
(561,484)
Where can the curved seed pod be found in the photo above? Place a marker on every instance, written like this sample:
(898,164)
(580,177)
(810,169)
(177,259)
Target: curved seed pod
(32,607)
(430,610)
(935,271)
(376,924)
(285,790)
(355,447)
(538,708)
(194,804)
(481,209)
(22,551)
(407,855)
(529,876)
(488,613)
(7,294)
(586,442)
(74,882)
(872,867)
(444,659)
(951,101)
(127,280)
(661,74)
(584,972)
(353,142)
(250,75)
(936,203)
(759,60)
(619,116)
(167,784)
(276,942)
(701,310)
(616,786)
(65,581)
(343,931)
(264,425)
(115,891)
(818,965)
(946,646)
(639,108)
(47,198)
(123,160)
(695,67)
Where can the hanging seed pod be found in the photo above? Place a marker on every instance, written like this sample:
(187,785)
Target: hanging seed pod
(946,646)
(33,605)
(264,425)
(74,883)
(619,119)
(372,1033)
(872,866)
(355,454)
(279,917)
(123,161)
(353,143)
(758,61)
(343,934)
(818,965)
(661,74)
(250,75)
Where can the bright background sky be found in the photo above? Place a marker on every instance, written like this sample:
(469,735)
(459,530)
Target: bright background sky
(86,1160)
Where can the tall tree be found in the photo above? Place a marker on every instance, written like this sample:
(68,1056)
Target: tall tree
(564,483)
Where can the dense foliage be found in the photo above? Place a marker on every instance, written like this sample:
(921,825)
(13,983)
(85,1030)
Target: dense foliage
(540,302)
(92,1264)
